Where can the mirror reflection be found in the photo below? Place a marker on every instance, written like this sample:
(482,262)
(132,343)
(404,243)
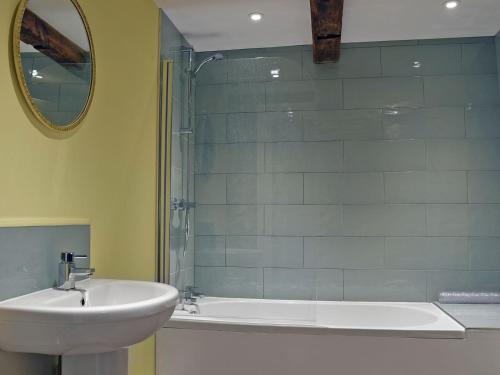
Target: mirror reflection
(56,59)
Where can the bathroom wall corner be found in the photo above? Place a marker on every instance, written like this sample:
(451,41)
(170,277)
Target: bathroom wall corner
(497,43)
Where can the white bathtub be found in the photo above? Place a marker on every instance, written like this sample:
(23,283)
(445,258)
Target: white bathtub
(261,337)
(374,318)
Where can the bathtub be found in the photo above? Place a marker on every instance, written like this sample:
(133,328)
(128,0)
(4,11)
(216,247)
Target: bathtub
(226,336)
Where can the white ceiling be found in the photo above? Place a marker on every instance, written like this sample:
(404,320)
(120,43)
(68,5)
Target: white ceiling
(223,24)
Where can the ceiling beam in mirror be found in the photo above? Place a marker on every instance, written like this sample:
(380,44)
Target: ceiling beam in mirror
(46,39)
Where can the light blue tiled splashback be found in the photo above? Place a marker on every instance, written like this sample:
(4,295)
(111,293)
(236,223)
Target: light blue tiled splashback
(376,178)
(29,256)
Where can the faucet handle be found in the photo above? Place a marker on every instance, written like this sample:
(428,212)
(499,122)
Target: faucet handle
(69,257)
(76,272)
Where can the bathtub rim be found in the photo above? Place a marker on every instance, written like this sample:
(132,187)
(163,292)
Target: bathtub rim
(195,322)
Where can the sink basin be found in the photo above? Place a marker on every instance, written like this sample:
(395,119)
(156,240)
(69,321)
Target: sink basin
(102,316)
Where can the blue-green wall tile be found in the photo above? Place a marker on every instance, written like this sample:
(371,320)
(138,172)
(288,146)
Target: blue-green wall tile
(210,251)
(465,40)
(303,157)
(27,63)
(353,62)
(303,220)
(479,58)
(210,188)
(474,90)
(260,251)
(230,281)
(46,96)
(342,124)
(484,253)
(461,154)
(484,187)
(230,98)
(62,118)
(468,281)
(265,127)
(482,122)
(383,92)
(344,252)
(463,220)
(265,65)
(416,123)
(276,188)
(338,188)
(421,60)
(211,129)
(426,253)
(385,43)
(426,187)
(73,97)
(300,284)
(385,285)
(231,220)
(380,220)
(384,155)
(303,95)
(229,158)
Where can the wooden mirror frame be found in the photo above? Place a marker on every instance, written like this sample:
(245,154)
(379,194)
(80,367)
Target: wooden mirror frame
(16,50)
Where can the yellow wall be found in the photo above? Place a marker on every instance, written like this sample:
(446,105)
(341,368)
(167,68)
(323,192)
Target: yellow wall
(106,171)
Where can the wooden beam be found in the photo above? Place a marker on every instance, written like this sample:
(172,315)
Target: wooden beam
(326,19)
(46,39)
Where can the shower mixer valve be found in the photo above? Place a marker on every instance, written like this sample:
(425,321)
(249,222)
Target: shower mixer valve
(182,205)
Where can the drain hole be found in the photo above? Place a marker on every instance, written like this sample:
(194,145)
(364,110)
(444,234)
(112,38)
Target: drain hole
(82,302)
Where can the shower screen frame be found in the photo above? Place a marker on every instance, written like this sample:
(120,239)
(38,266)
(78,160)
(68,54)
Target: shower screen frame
(164,170)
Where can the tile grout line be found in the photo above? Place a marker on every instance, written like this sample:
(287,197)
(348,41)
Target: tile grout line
(343,284)
(303,189)
(469,253)
(303,252)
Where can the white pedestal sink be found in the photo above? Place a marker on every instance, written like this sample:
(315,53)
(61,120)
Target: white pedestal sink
(89,327)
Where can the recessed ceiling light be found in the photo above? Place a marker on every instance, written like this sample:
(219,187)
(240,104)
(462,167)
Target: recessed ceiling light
(256,17)
(452,4)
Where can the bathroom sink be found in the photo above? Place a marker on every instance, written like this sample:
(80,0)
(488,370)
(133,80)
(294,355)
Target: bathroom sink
(100,316)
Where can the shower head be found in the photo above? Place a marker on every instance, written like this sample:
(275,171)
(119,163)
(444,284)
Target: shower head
(216,57)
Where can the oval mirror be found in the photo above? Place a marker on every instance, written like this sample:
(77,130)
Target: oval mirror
(54,61)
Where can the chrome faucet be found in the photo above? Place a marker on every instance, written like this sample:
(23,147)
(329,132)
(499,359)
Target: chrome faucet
(188,300)
(68,272)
